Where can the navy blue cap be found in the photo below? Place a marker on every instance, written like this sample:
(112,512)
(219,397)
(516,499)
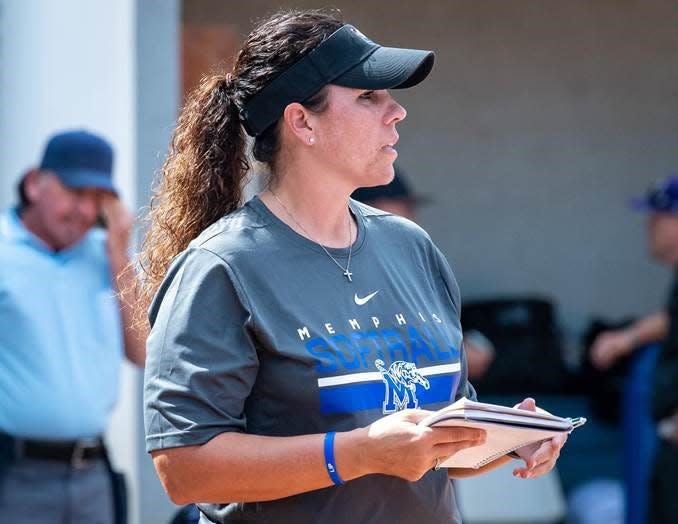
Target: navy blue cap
(345,58)
(397,189)
(80,159)
(660,198)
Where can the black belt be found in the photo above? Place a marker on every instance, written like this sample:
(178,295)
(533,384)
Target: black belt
(74,452)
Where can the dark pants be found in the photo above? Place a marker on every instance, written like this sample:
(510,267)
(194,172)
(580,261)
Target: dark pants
(664,487)
(57,483)
(50,492)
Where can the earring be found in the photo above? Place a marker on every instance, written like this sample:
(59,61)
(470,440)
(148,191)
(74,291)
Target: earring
(311,140)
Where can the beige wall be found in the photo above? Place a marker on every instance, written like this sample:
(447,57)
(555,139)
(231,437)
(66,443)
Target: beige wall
(540,119)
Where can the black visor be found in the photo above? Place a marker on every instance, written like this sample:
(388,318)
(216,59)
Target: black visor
(346,58)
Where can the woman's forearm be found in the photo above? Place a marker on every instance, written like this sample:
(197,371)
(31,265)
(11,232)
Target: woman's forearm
(245,468)
(240,467)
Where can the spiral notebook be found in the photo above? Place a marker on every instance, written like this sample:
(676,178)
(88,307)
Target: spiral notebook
(507,429)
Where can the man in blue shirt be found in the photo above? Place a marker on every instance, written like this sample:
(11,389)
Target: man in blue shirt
(65,324)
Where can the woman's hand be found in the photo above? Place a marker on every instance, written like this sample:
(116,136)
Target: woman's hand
(539,457)
(396,445)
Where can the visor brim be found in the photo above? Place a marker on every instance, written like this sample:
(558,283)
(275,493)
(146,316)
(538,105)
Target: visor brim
(389,68)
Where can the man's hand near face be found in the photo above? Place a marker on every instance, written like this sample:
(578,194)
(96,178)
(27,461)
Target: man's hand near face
(119,222)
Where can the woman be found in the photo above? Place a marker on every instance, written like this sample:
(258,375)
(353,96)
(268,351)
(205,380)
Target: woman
(290,335)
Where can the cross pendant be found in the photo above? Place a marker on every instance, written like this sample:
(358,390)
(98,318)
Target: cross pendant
(348,275)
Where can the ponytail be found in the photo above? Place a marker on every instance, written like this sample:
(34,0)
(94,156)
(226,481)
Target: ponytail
(201,180)
(203,176)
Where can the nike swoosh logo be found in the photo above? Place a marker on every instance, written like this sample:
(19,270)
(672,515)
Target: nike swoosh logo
(364,300)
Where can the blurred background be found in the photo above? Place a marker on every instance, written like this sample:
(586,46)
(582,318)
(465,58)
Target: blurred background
(540,120)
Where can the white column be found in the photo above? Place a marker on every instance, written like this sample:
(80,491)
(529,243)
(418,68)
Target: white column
(157,83)
(112,68)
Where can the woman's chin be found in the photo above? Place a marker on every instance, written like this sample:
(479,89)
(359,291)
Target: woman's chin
(382,176)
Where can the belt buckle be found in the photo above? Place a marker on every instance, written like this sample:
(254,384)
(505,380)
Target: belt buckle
(78,459)
(78,456)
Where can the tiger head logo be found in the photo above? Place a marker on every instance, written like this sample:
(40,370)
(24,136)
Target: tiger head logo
(400,379)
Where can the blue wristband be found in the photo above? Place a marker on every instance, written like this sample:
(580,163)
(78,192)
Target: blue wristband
(329,459)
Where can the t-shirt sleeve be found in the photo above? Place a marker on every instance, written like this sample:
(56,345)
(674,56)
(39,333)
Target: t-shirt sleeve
(465,388)
(201,361)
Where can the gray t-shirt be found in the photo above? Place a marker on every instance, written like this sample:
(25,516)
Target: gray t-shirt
(255,329)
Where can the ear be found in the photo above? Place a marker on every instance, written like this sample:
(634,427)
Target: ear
(32,184)
(297,120)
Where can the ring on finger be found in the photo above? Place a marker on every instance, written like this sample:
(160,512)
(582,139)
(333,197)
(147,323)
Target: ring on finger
(436,466)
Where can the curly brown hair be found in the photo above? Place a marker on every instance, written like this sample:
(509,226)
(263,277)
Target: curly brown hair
(203,175)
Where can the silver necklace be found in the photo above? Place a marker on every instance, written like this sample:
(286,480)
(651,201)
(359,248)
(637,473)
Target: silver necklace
(345,270)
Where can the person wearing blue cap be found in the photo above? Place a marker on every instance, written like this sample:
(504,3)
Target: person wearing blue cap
(661,204)
(63,333)
(291,333)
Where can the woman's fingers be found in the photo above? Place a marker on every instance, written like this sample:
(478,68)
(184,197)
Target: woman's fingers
(528,404)
(542,460)
(529,472)
(541,455)
(547,451)
(535,472)
(448,449)
(452,434)
(458,441)
(397,435)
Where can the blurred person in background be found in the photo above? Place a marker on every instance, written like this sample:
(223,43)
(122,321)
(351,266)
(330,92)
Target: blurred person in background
(397,198)
(256,404)
(64,331)
(661,203)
